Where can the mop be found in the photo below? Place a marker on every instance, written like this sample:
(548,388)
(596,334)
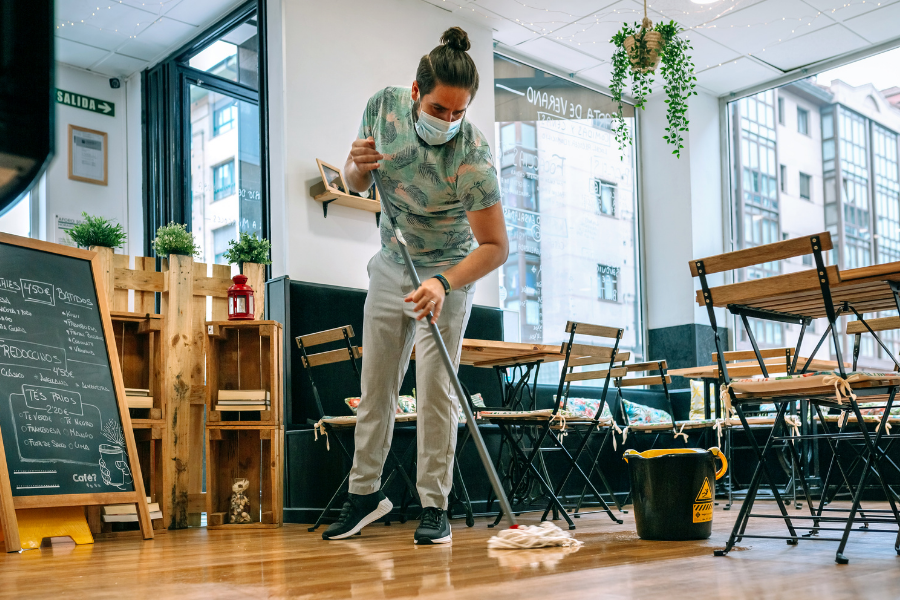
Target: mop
(517,536)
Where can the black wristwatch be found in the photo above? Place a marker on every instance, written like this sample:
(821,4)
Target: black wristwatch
(445,283)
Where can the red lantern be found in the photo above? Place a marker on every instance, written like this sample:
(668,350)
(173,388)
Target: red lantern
(240,299)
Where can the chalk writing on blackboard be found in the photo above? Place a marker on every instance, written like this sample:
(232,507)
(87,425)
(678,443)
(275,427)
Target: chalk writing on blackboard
(58,409)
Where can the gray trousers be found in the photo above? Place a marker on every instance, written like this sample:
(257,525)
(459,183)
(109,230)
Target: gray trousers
(389,332)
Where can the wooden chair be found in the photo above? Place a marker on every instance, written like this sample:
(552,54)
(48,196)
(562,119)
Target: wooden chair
(792,298)
(548,424)
(337,426)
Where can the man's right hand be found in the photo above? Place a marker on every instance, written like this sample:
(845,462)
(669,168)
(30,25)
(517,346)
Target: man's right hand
(364,155)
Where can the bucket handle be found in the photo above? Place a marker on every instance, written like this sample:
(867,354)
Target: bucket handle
(718,454)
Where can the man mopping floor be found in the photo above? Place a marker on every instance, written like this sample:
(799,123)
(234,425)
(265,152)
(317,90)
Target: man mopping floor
(437,173)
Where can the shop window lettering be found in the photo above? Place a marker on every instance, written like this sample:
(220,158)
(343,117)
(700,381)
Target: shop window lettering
(562,106)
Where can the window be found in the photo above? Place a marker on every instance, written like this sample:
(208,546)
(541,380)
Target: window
(223,180)
(606,197)
(214,174)
(608,283)
(557,216)
(803,121)
(859,171)
(223,118)
(805,181)
(221,237)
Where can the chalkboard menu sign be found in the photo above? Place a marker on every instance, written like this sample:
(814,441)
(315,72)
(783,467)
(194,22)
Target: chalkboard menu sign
(60,414)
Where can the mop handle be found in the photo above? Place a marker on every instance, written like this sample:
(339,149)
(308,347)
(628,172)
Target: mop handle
(448,364)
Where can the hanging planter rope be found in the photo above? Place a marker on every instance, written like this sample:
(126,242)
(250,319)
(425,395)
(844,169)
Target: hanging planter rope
(639,51)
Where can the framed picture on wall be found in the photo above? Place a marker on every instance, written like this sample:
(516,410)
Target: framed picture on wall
(88,155)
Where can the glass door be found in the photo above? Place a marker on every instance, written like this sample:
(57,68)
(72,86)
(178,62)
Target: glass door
(225,170)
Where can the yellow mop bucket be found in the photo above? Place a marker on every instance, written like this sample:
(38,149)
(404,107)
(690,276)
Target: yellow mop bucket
(673,492)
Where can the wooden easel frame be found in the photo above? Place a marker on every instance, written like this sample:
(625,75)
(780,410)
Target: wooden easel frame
(9,503)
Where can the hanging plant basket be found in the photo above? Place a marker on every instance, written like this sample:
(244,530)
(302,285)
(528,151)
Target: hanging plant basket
(640,49)
(644,48)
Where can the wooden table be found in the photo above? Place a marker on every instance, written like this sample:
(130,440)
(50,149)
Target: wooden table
(867,289)
(523,359)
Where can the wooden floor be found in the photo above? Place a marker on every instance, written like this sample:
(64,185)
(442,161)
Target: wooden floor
(384,563)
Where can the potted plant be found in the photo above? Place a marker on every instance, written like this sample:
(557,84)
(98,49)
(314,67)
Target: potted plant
(101,236)
(97,232)
(639,50)
(248,249)
(175,239)
(251,254)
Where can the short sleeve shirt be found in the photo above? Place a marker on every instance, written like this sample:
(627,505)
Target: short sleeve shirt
(429,187)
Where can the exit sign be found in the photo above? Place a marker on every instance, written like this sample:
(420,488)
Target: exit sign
(96,105)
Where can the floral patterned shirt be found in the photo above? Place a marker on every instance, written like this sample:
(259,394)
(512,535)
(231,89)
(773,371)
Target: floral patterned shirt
(429,187)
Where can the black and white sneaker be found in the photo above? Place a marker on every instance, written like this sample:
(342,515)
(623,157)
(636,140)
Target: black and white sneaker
(434,528)
(357,512)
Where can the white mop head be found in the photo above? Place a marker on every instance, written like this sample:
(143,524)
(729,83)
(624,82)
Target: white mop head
(533,536)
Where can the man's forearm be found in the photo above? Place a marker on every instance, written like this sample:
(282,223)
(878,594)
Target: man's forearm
(484,259)
(358,181)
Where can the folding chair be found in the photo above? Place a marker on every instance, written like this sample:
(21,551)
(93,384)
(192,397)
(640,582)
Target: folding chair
(336,427)
(743,364)
(792,298)
(549,424)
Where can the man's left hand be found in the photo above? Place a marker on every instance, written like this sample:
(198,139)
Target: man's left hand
(429,297)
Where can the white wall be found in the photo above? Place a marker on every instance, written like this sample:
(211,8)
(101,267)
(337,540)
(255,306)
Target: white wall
(682,209)
(326,60)
(120,199)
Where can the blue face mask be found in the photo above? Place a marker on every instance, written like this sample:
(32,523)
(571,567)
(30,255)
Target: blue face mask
(436,131)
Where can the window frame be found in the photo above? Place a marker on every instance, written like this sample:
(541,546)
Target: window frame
(805,119)
(215,169)
(166,104)
(808,179)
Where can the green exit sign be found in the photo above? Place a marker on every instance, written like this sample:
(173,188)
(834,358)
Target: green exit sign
(96,105)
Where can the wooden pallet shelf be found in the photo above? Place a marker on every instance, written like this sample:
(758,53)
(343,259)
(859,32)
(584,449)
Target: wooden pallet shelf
(244,355)
(253,453)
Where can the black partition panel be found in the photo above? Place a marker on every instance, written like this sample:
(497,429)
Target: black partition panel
(304,308)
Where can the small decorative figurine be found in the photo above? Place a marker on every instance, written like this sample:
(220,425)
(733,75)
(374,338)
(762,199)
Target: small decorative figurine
(240,503)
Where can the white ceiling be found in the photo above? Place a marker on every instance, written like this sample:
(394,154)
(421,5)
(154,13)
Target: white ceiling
(120,37)
(736,43)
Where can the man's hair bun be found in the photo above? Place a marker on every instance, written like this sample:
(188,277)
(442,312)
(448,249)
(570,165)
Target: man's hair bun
(457,39)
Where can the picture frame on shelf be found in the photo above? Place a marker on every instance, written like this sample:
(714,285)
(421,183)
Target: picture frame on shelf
(332,177)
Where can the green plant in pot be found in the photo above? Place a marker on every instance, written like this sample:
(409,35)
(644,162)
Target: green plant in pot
(639,51)
(175,239)
(98,231)
(248,249)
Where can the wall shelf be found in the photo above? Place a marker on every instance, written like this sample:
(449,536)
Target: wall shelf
(329,196)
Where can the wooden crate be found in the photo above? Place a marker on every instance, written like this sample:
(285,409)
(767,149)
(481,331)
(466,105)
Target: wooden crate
(253,453)
(244,355)
(138,344)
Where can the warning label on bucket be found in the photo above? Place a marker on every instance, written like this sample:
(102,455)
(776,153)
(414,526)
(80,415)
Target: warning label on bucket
(703,504)
(703,512)
(705,492)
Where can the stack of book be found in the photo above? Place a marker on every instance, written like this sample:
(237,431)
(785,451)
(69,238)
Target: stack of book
(122,513)
(234,400)
(138,398)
